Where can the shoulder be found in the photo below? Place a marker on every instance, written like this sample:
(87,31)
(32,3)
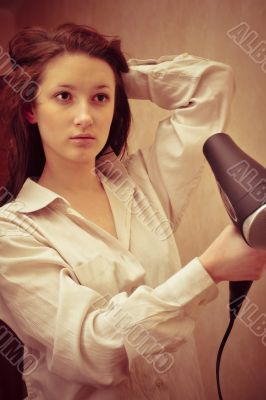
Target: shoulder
(13,222)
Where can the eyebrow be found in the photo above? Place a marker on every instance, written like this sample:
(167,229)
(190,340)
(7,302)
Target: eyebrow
(67,86)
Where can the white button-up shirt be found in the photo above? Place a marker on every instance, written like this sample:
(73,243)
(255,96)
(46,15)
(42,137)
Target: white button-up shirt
(104,317)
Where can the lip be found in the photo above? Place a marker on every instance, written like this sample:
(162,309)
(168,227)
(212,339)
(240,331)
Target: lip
(83,136)
(83,140)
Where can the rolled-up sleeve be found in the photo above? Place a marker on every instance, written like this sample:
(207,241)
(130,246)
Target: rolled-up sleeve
(86,337)
(198,92)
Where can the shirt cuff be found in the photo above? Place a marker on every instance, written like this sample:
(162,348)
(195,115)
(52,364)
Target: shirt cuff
(192,284)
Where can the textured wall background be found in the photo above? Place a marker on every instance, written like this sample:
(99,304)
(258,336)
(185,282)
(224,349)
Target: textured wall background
(151,28)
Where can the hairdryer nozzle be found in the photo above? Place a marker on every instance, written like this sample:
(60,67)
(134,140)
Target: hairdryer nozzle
(242,184)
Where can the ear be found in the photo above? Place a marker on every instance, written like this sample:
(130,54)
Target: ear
(30,114)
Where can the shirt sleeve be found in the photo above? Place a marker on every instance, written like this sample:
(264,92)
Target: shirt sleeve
(87,337)
(198,92)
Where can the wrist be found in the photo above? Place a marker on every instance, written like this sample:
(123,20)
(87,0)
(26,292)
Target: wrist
(210,268)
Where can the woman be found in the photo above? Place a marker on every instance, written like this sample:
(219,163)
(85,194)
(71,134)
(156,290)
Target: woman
(90,273)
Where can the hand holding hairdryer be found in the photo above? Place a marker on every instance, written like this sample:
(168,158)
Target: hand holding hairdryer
(230,258)
(242,184)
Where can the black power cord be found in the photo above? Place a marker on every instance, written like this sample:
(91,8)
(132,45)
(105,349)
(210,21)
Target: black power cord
(219,356)
(238,292)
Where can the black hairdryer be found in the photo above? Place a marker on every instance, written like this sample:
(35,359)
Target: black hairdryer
(242,184)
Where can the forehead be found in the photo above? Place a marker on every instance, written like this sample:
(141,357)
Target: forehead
(77,69)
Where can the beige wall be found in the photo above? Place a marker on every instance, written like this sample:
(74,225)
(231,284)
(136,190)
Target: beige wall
(151,28)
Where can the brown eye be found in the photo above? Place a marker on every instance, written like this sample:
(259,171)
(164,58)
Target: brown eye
(101,97)
(63,96)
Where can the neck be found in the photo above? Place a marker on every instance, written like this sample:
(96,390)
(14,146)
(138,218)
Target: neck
(71,180)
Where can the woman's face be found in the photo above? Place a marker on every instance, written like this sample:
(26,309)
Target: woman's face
(77,96)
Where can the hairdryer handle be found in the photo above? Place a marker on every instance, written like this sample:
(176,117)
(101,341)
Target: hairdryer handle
(237,294)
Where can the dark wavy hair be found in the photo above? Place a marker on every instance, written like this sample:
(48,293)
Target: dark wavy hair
(29,52)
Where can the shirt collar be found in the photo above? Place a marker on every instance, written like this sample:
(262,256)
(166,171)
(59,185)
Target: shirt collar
(33,196)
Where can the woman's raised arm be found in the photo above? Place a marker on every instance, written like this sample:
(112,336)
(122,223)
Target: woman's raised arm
(199,94)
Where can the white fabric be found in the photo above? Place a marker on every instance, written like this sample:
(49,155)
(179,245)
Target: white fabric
(56,266)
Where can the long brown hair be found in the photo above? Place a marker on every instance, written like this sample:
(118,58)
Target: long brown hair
(29,51)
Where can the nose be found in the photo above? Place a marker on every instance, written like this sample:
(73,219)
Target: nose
(83,117)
